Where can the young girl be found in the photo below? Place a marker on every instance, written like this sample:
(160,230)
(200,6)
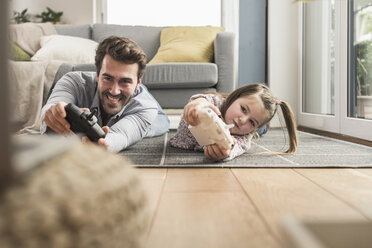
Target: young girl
(248,108)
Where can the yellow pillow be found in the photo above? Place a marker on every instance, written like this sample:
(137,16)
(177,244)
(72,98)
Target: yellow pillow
(186,44)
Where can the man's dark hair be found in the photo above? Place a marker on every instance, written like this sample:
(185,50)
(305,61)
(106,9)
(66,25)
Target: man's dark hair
(121,49)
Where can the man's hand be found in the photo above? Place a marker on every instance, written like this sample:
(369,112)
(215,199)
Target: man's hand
(191,110)
(101,141)
(55,118)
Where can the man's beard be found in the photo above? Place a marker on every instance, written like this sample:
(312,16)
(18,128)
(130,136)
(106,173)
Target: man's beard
(112,109)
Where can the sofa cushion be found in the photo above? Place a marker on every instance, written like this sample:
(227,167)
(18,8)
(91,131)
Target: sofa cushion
(148,38)
(180,75)
(66,48)
(186,44)
(176,98)
(82,31)
(16,53)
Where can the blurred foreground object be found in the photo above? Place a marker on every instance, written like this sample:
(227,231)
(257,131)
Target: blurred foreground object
(81,196)
(326,233)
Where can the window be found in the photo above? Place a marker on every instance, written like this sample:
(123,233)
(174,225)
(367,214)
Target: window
(164,12)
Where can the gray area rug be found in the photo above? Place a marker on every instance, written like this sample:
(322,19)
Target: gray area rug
(313,151)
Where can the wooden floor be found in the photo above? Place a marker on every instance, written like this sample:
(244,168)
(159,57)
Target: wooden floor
(243,207)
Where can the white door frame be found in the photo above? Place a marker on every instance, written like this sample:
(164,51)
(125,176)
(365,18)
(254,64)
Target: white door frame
(356,127)
(339,122)
(328,123)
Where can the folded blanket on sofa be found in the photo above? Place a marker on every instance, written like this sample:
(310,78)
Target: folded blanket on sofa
(27,35)
(29,83)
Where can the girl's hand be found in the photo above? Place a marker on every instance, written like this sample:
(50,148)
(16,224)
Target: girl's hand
(191,110)
(216,152)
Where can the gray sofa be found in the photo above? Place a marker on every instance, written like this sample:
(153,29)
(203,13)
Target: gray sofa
(170,83)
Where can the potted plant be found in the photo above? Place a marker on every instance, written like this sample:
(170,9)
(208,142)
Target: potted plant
(50,16)
(364,65)
(364,78)
(20,17)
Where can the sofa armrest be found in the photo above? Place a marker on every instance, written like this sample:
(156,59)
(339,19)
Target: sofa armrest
(65,68)
(224,58)
(62,70)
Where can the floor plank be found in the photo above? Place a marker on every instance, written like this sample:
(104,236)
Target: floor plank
(367,171)
(280,192)
(243,207)
(350,185)
(212,179)
(153,181)
(206,208)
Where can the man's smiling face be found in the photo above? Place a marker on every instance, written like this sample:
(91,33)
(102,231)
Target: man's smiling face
(117,83)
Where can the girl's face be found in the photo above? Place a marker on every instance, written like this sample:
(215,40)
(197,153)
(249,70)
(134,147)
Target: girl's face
(246,113)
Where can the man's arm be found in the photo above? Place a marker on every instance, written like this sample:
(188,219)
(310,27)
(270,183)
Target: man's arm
(130,129)
(65,91)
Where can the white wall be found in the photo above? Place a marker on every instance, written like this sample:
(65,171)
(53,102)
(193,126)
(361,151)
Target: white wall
(74,11)
(283,52)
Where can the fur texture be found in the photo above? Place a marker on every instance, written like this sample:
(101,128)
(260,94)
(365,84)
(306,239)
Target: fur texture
(86,197)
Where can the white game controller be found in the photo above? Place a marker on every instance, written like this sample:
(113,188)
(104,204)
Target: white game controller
(212,130)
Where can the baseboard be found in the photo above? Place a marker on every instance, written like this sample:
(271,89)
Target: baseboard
(335,136)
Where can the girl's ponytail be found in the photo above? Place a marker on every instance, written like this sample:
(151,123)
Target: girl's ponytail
(291,127)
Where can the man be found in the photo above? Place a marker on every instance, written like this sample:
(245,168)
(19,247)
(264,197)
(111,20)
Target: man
(126,110)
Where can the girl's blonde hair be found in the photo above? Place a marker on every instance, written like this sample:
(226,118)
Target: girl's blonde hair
(270,103)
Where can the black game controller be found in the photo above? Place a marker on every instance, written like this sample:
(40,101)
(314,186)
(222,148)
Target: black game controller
(84,122)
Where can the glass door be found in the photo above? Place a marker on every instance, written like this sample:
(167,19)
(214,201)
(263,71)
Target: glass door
(357,111)
(336,67)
